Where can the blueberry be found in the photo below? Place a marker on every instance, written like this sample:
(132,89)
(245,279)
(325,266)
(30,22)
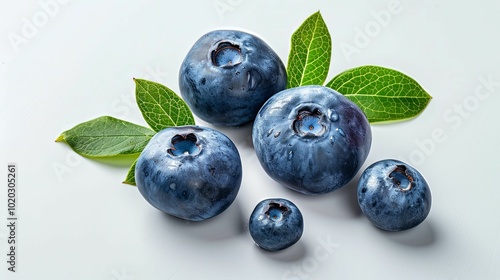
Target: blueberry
(276,224)
(227,76)
(393,195)
(190,172)
(311,139)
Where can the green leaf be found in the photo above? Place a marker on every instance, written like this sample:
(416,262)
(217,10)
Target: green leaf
(383,94)
(130,178)
(160,106)
(106,137)
(310,53)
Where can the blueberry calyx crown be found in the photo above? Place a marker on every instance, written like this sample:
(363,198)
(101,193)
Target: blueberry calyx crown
(276,211)
(401,178)
(309,123)
(184,144)
(226,54)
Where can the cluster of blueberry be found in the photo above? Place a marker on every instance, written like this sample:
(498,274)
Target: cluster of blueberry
(310,139)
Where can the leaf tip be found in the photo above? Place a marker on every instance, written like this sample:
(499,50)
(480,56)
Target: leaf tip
(137,80)
(317,15)
(60,138)
(129,183)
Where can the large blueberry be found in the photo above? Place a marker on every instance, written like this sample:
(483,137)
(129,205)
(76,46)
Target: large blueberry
(276,224)
(311,139)
(227,76)
(190,172)
(393,195)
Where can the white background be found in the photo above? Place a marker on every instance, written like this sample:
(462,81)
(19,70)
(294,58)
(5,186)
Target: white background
(78,221)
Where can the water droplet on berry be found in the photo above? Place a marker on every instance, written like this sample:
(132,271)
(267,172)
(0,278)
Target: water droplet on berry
(270,132)
(334,116)
(341,132)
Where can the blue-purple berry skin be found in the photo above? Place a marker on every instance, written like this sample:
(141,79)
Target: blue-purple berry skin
(276,224)
(311,139)
(393,195)
(228,74)
(190,172)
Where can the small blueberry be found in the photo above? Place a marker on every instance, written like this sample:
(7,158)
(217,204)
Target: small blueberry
(393,195)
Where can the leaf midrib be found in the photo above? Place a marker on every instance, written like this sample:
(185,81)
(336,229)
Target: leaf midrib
(107,135)
(380,90)
(385,96)
(308,50)
(157,104)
